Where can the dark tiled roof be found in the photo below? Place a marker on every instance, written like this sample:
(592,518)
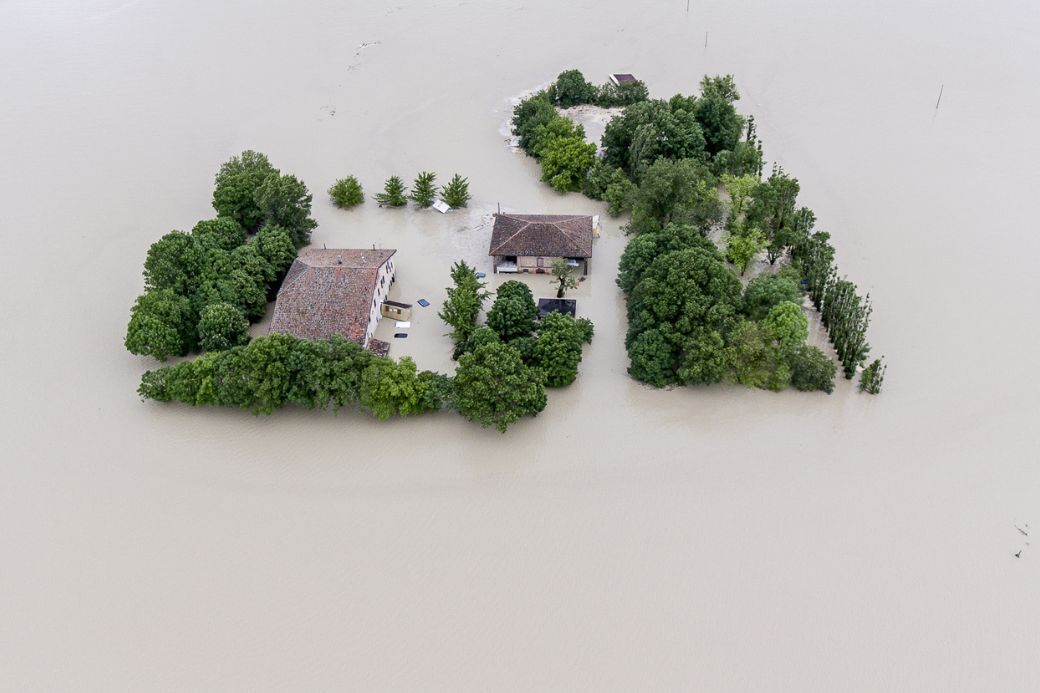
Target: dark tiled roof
(625,77)
(545,235)
(329,292)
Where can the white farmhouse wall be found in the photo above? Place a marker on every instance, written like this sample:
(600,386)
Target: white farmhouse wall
(384,279)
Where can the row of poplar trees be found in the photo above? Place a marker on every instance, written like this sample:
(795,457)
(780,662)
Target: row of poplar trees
(845,313)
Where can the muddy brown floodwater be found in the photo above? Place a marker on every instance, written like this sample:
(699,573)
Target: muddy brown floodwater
(627,538)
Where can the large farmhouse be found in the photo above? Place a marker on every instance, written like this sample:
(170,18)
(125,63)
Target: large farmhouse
(334,291)
(530,242)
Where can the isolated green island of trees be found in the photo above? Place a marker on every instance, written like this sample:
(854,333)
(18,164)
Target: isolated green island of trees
(684,167)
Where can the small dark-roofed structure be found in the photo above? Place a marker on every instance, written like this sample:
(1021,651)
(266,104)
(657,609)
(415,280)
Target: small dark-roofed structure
(334,291)
(567,306)
(530,242)
(623,78)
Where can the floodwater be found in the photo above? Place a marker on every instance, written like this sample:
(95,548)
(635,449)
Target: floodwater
(625,539)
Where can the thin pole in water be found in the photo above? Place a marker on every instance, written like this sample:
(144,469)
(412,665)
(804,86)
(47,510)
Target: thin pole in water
(941,87)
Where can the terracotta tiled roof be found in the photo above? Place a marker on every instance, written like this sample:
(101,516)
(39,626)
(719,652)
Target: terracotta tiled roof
(545,235)
(329,292)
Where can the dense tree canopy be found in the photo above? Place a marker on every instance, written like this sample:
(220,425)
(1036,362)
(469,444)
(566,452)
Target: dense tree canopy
(237,182)
(279,369)
(284,201)
(571,88)
(493,387)
(765,291)
(566,161)
(162,324)
(680,191)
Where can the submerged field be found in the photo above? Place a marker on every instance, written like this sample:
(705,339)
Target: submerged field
(625,538)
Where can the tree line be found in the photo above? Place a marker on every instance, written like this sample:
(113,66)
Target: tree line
(690,319)
(203,287)
(347,192)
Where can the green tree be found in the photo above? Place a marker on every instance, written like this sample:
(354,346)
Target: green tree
(557,127)
(652,358)
(676,191)
(533,111)
(787,325)
(462,306)
(741,249)
(393,193)
(649,130)
(174,262)
(571,88)
(423,189)
(610,95)
(557,351)
(718,118)
(566,161)
(685,289)
(456,192)
(514,311)
(162,324)
(702,359)
(347,193)
(275,245)
(237,183)
(722,87)
(223,232)
(284,201)
(755,359)
(493,387)
(222,326)
(765,291)
(812,370)
(620,195)
(739,189)
(644,248)
(872,377)
(390,388)
(562,276)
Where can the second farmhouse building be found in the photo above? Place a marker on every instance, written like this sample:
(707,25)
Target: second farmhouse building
(530,242)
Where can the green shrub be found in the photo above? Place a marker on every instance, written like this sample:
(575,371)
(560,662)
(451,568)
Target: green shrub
(347,193)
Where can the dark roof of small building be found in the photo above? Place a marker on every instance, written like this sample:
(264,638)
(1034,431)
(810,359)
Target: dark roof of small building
(544,235)
(327,292)
(567,306)
(621,78)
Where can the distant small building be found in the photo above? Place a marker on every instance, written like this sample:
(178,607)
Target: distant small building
(334,291)
(530,242)
(623,78)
